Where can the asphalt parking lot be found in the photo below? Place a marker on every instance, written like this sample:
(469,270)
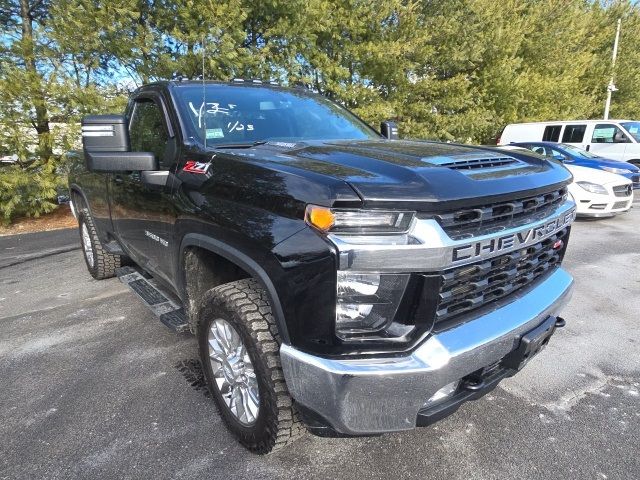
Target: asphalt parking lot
(91,387)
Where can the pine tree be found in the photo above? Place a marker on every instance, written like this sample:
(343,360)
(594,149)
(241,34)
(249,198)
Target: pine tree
(50,63)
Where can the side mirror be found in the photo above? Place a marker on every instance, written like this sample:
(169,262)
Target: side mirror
(389,130)
(105,139)
(619,137)
(105,133)
(121,161)
(560,158)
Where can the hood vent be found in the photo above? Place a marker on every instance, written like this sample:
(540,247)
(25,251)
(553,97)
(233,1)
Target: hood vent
(476,163)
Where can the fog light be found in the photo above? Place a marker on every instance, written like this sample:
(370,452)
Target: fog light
(442,394)
(367,302)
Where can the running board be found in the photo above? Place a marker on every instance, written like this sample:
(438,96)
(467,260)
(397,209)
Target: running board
(169,313)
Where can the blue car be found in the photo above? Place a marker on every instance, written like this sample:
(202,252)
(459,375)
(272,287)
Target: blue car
(576,156)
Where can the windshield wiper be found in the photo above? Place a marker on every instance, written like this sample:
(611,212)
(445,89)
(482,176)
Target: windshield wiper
(241,145)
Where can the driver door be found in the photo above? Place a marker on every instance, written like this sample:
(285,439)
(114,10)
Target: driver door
(144,216)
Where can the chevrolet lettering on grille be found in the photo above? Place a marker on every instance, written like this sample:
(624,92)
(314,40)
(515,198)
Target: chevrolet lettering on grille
(523,238)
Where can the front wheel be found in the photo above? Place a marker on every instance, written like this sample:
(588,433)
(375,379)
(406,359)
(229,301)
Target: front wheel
(239,348)
(100,263)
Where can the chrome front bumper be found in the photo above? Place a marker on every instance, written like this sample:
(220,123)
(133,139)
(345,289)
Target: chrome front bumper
(384,394)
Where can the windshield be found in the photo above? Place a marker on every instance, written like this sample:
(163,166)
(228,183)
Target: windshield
(578,152)
(633,128)
(227,114)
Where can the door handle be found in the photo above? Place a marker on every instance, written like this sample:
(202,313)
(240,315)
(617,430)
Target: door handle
(118,180)
(588,147)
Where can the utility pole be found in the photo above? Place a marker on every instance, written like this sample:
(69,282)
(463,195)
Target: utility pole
(611,87)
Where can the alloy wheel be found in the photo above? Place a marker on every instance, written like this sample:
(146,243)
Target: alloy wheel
(233,372)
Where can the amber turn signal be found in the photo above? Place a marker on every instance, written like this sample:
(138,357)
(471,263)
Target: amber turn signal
(320,217)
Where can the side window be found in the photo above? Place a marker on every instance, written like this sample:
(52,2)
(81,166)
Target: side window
(574,133)
(146,129)
(607,133)
(551,133)
(558,155)
(539,149)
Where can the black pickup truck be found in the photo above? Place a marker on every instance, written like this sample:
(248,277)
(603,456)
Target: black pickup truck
(337,279)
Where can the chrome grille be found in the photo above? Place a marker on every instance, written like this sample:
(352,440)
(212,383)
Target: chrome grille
(495,217)
(472,286)
(623,190)
(618,205)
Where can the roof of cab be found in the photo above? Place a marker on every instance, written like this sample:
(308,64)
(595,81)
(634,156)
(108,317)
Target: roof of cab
(234,82)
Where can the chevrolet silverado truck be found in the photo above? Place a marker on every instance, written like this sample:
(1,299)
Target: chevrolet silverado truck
(338,280)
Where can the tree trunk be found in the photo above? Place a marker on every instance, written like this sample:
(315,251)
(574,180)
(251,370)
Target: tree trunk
(41,121)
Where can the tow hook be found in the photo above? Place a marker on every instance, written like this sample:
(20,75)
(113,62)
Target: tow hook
(473,384)
(560,322)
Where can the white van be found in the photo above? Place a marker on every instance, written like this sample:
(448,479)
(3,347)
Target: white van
(614,139)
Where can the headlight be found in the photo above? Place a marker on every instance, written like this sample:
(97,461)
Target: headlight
(619,171)
(358,221)
(593,188)
(367,304)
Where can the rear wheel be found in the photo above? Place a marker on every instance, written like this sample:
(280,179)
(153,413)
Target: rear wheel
(239,347)
(100,263)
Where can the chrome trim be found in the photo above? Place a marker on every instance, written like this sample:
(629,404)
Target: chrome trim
(601,215)
(97,128)
(429,248)
(384,394)
(98,131)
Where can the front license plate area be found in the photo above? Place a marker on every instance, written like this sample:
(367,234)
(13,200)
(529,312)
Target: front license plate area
(531,343)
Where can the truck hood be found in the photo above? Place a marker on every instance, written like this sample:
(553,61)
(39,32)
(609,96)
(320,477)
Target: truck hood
(391,173)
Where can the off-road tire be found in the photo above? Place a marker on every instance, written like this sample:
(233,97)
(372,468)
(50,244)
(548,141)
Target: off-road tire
(104,264)
(244,304)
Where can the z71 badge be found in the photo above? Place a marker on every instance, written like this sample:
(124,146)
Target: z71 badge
(196,167)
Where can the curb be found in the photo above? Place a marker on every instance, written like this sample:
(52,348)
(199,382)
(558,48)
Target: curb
(35,256)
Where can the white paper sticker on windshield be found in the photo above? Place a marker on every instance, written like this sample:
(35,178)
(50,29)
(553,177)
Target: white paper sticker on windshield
(214,133)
